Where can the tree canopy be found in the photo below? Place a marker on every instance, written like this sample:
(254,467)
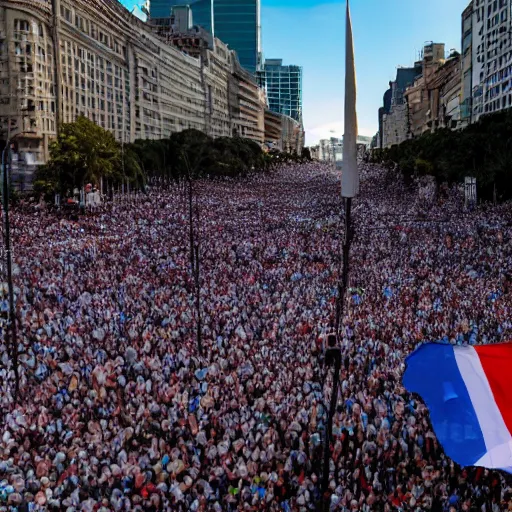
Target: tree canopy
(482,150)
(85,153)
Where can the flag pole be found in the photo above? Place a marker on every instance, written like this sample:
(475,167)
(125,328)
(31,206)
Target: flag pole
(349,189)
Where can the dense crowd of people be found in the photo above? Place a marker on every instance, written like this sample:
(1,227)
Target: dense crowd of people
(120,411)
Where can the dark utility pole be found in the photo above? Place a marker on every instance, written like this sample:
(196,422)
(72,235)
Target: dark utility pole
(343,282)
(332,358)
(11,333)
(333,350)
(191,223)
(194,253)
(198,302)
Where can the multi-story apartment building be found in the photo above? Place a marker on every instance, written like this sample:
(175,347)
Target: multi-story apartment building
(444,95)
(215,60)
(423,98)
(417,96)
(247,104)
(292,135)
(216,76)
(491,55)
(394,127)
(466,99)
(60,59)
(273,129)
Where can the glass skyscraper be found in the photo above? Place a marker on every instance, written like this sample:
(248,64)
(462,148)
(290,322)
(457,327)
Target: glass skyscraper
(283,85)
(237,23)
(234,22)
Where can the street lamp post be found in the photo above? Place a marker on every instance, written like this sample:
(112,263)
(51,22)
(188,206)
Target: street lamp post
(11,328)
(332,358)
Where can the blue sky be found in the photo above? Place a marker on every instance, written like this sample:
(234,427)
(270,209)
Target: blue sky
(387,34)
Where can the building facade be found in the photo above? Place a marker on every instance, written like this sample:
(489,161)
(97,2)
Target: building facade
(216,74)
(331,150)
(273,130)
(215,61)
(384,110)
(445,95)
(247,104)
(283,86)
(430,102)
(466,98)
(434,99)
(491,56)
(292,135)
(394,124)
(417,96)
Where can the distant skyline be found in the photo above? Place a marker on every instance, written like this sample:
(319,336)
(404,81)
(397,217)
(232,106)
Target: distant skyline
(311,34)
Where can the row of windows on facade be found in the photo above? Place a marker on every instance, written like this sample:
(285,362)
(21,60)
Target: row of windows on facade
(151,124)
(498,104)
(93,30)
(497,90)
(498,63)
(494,6)
(81,82)
(81,57)
(26,69)
(497,19)
(491,52)
(29,123)
(498,77)
(25,49)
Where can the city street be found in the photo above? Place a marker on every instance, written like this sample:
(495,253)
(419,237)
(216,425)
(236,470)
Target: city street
(118,410)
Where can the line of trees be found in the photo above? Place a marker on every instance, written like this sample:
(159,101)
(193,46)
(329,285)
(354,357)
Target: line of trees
(482,150)
(86,153)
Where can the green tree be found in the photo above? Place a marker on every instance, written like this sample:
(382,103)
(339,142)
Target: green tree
(83,152)
(482,150)
(306,154)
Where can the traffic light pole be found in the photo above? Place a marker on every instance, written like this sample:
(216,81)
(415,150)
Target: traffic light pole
(11,332)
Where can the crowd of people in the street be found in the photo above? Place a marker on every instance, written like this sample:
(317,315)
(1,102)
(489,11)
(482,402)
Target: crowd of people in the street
(119,411)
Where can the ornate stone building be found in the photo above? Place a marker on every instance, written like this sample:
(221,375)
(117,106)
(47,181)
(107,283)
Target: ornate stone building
(61,58)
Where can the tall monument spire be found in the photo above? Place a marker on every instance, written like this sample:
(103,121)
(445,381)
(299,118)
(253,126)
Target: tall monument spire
(350,173)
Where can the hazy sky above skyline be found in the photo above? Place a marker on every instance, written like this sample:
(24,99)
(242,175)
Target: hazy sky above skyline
(387,34)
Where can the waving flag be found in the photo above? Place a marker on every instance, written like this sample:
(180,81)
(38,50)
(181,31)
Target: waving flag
(468,391)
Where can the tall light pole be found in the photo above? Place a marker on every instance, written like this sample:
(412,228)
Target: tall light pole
(11,327)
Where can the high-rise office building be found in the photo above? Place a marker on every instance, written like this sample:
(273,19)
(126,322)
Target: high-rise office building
(235,22)
(283,85)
